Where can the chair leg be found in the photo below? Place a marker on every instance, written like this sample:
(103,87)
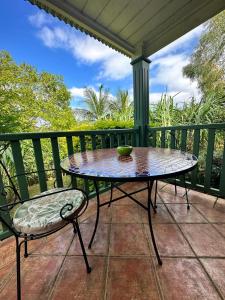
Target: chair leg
(18,274)
(25,248)
(76,226)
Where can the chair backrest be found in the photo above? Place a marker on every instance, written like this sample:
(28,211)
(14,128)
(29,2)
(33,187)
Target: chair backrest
(4,173)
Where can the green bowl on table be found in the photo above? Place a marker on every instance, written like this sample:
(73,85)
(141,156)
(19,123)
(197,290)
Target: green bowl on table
(124,150)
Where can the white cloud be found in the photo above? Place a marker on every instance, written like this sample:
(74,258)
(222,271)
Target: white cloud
(180,44)
(40,18)
(165,69)
(77,92)
(113,65)
(117,66)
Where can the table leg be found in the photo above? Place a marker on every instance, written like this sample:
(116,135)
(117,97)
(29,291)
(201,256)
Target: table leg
(97,215)
(149,196)
(111,193)
(150,222)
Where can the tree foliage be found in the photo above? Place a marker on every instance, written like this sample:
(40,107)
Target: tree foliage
(122,107)
(207,64)
(30,100)
(98,103)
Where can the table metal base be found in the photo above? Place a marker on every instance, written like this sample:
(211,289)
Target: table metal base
(148,208)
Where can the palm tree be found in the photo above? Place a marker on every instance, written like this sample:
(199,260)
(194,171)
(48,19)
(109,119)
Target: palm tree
(97,102)
(122,107)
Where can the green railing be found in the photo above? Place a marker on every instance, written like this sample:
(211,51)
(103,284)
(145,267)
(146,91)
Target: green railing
(35,152)
(207,142)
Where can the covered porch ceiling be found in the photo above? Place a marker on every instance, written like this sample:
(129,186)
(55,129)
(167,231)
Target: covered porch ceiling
(133,27)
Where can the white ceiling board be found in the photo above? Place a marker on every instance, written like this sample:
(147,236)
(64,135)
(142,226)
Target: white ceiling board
(134,27)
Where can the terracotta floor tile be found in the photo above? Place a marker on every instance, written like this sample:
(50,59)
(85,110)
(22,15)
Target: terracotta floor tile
(204,239)
(170,189)
(170,198)
(216,270)
(74,282)
(7,252)
(197,197)
(128,239)
(131,278)
(38,274)
(121,253)
(100,243)
(6,273)
(184,215)
(56,244)
(183,278)
(125,214)
(127,200)
(169,240)
(221,228)
(162,215)
(212,214)
(104,215)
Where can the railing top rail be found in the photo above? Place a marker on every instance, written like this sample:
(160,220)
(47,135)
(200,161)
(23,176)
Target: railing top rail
(180,127)
(52,134)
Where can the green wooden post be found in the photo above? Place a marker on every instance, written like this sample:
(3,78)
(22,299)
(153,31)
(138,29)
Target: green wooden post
(141,97)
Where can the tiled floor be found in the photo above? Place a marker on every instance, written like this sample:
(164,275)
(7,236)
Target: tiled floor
(191,244)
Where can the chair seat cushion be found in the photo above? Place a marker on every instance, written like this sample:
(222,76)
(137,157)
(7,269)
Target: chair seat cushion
(42,215)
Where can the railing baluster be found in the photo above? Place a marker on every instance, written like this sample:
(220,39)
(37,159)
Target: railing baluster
(19,166)
(183,139)
(82,143)
(119,140)
(40,164)
(103,142)
(172,139)
(93,142)
(112,141)
(56,160)
(209,158)
(83,149)
(163,137)
(196,153)
(222,175)
(126,139)
(154,139)
(69,142)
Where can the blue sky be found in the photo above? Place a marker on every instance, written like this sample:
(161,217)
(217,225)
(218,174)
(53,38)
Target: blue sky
(32,36)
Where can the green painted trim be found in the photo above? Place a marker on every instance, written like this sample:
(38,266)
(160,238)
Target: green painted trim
(209,158)
(93,142)
(141,99)
(140,58)
(189,127)
(42,135)
(56,160)
(70,151)
(222,175)
(19,166)
(40,164)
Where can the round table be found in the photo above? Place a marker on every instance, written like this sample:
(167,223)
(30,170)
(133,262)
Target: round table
(144,164)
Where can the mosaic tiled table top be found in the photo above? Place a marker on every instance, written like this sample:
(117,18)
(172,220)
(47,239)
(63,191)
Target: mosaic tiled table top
(143,162)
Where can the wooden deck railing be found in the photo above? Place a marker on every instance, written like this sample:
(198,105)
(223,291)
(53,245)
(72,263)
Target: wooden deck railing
(46,149)
(207,142)
(57,145)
